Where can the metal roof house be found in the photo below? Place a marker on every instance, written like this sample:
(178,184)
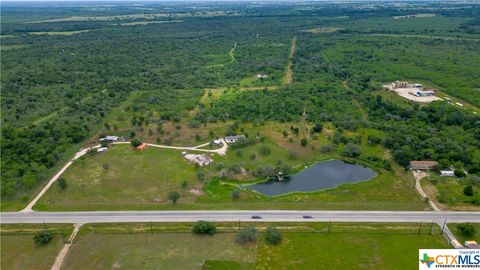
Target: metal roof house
(423,165)
(234,139)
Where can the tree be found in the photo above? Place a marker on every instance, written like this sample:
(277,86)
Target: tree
(466,229)
(351,150)
(62,183)
(135,143)
(317,128)
(204,227)
(245,235)
(468,190)
(273,236)
(42,238)
(173,196)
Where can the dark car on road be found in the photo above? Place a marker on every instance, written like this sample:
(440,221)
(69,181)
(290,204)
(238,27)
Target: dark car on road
(307,216)
(256,217)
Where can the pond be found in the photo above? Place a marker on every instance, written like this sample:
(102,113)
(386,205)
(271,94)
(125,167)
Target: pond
(322,175)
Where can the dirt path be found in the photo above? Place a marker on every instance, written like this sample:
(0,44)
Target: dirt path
(288,78)
(418,177)
(64,251)
(221,151)
(79,154)
(232,53)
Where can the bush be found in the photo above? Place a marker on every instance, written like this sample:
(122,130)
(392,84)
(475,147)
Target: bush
(200,176)
(135,143)
(204,227)
(273,236)
(264,151)
(466,229)
(245,235)
(62,183)
(326,148)
(459,173)
(235,194)
(468,190)
(303,142)
(292,155)
(351,150)
(42,238)
(317,128)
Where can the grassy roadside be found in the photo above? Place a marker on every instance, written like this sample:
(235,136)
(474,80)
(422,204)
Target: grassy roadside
(304,246)
(18,250)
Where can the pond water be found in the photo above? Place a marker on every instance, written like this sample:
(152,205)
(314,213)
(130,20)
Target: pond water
(322,175)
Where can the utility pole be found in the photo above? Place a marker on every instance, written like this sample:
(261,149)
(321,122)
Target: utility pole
(239,224)
(431,227)
(151,229)
(329,222)
(443,227)
(420,228)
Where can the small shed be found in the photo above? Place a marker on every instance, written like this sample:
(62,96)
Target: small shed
(142,147)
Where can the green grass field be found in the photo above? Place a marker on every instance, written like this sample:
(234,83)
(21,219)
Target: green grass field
(18,250)
(346,251)
(157,251)
(173,246)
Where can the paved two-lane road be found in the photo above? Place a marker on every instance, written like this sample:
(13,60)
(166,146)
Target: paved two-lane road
(267,215)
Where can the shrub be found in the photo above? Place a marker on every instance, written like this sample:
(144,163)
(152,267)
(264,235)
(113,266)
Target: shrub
(235,194)
(292,155)
(326,148)
(200,176)
(204,227)
(303,142)
(468,190)
(273,236)
(459,173)
(62,183)
(351,150)
(264,151)
(184,184)
(42,238)
(317,128)
(466,229)
(235,168)
(106,166)
(135,143)
(245,235)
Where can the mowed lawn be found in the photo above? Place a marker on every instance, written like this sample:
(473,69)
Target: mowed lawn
(155,251)
(131,177)
(346,251)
